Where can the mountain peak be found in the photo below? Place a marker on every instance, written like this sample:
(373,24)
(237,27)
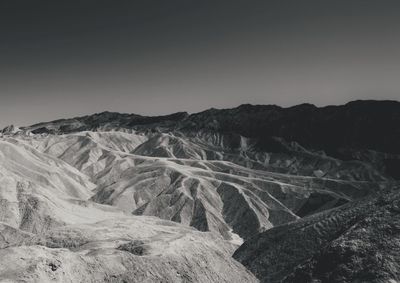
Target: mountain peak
(11,129)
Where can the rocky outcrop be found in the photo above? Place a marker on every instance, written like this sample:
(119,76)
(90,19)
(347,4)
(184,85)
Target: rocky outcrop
(356,242)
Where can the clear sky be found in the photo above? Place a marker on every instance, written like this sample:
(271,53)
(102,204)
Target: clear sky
(66,58)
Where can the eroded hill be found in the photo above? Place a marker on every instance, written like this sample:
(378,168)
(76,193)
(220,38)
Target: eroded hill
(113,197)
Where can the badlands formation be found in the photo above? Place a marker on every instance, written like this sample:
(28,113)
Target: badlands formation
(250,194)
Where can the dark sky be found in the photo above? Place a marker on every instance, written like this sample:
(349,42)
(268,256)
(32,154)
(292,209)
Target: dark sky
(63,58)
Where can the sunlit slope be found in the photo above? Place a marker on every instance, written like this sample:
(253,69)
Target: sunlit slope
(39,191)
(50,230)
(128,249)
(197,180)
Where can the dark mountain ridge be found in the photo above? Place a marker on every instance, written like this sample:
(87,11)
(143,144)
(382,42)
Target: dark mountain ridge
(365,130)
(358,124)
(363,124)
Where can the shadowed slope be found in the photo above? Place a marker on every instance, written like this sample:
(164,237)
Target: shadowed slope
(338,245)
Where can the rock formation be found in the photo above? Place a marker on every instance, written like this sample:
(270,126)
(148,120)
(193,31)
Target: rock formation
(312,192)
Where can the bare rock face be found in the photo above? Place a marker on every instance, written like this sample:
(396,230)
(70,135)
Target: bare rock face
(356,242)
(368,252)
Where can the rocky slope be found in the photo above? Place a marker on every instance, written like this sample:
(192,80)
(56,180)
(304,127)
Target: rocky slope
(125,249)
(122,197)
(358,242)
(207,184)
(51,231)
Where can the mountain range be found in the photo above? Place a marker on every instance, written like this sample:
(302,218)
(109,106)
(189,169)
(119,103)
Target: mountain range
(257,193)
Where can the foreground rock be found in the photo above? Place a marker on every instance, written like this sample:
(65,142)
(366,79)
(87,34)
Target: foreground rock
(359,242)
(130,249)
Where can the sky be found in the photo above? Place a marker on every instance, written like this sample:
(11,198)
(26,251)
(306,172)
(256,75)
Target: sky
(65,58)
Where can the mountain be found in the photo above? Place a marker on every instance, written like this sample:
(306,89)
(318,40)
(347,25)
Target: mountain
(11,129)
(51,231)
(170,177)
(358,124)
(359,130)
(107,121)
(116,197)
